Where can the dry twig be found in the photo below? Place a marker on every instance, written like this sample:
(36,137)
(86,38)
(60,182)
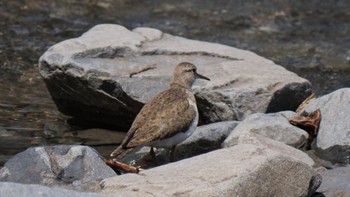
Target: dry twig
(116,165)
(148,67)
(305,102)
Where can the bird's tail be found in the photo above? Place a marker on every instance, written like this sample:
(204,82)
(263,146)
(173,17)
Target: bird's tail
(120,152)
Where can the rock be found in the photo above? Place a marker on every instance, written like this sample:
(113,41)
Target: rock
(242,170)
(205,139)
(320,163)
(8,189)
(275,126)
(72,167)
(335,182)
(333,138)
(88,76)
(256,139)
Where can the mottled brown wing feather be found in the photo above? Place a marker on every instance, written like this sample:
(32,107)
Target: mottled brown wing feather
(164,116)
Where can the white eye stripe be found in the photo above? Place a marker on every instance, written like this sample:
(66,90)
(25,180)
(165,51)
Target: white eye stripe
(191,70)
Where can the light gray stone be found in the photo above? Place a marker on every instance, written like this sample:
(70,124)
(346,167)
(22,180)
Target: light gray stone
(205,139)
(333,138)
(72,167)
(88,76)
(242,170)
(259,140)
(335,182)
(275,126)
(8,189)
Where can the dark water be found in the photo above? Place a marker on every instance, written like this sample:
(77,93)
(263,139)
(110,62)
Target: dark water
(310,38)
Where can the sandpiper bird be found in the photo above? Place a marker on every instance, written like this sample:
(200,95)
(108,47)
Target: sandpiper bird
(168,119)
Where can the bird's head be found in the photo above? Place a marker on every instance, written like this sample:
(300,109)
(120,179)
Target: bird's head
(185,74)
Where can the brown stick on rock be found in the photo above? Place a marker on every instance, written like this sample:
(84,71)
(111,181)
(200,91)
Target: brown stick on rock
(148,67)
(116,165)
(308,100)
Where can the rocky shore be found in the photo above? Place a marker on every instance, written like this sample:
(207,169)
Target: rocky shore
(245,145)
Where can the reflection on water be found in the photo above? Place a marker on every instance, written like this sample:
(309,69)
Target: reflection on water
(309,38)
(25,109)
(28,117)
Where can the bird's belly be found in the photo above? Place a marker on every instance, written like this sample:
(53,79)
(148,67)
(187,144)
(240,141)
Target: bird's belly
(172,141)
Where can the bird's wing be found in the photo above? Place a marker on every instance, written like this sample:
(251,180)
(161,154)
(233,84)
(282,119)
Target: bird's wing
(164,116)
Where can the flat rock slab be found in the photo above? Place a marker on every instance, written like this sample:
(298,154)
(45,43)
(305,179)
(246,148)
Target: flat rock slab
(333,138)
(89,76)
(242,170)
(73,167)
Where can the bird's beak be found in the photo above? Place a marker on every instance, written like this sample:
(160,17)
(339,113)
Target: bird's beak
(202,77)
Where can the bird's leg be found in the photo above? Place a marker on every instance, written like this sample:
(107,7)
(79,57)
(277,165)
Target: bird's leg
(172,153)
(153,154)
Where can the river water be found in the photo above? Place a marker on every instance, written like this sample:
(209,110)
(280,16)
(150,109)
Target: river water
(310,38)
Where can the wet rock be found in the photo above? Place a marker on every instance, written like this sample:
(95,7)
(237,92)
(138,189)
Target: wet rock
(275,126)
(333,138)
(335,182)
(242,170)
(259,140)
(72,167)
(205,139)
(88,77)
(25,190)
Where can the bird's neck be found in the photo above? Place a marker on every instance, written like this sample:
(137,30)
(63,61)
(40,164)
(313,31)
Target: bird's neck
(180,85)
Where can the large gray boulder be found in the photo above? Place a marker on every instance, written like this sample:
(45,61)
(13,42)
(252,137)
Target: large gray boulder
(88,76)
(333,138)
(8,189)
(275,126)
(73,167)
(242,170)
